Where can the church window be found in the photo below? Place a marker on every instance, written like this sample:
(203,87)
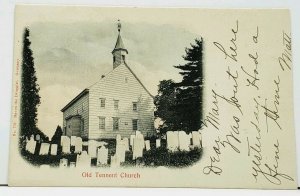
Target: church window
(115,124)
(134,106)
(101,123)
(116,104)
(134,124)
(102,102)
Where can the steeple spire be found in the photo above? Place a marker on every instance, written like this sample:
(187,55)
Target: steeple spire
(119,52)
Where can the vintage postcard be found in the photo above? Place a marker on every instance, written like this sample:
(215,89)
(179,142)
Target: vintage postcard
(144,97)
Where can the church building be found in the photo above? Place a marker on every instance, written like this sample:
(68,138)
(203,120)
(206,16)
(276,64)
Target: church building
(117,104)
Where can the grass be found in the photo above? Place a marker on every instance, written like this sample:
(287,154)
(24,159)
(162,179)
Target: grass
(155,157)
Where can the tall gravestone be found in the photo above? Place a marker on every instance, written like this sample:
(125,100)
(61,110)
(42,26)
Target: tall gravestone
(157,143)
(172,140)
(120,152)
(73,139)
(44,150)
(83,160)
(102,155)
(184,141)
(92,148)
(196,137)
(78,145)
(126,143)
(114,161)
(131,139)
(147,144)
(66,144)
(138,146)
(30,145)
(53,149)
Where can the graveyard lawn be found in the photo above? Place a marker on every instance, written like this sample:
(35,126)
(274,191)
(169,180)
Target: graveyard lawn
(151,158)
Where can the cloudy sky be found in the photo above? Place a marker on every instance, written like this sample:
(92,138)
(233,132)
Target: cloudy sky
(70,57)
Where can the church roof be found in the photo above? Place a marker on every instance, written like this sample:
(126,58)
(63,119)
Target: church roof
(119,44)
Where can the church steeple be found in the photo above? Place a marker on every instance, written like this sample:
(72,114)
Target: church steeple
(119,52)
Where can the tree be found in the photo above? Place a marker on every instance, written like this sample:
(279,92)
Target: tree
(189,99)
(57,135)
(30,98)
(165,103)
(179,105)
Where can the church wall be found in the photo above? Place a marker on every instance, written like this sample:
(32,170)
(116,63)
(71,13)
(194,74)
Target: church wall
(79,107)
(119,85)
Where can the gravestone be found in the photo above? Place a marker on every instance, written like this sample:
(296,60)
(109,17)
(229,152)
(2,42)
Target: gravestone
(147,144)
(30,145)
(53,149)
(114,161)
(157,142)
(44,150)
(184,141)
(126,143)
(63,163)
(78,145)
(102,155)
(196,139)
(131,139)
(83,160)
(92,148)
(73,139)
(66,144)
(72,164)
(172,140)
(118,138)
(138,146)
(120,152)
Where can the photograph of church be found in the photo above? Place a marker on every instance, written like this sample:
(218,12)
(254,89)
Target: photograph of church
(118,103)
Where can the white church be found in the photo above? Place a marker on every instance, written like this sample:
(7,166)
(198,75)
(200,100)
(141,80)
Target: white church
(117,104)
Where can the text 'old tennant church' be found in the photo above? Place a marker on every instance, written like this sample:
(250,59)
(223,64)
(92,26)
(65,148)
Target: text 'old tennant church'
(117,104)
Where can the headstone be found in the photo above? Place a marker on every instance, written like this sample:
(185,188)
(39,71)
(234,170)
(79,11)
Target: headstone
(37,137)
(93,145)
(30,145)
(102,155)
(120,152)
(44,150)
(118,138)
(157,143)
(196,139)
(45,166)
(126,143)
(63,163)
(184,141)
(73,139)
(78,145)
(131,139)
(147,144)
(72,164)
(53,149)
(83,160)
(66,144)
(138,146)
(172,140)
(115,161)
(138,133)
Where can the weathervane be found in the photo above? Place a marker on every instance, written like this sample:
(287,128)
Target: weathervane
(119,25)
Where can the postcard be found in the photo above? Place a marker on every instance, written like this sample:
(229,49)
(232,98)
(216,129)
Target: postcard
(152,97)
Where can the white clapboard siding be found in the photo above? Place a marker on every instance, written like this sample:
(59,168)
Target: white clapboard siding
(114,87)
(81,107)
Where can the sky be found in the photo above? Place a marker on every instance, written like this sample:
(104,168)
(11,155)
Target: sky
(70,57)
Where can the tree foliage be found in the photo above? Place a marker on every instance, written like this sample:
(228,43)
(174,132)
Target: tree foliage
(179,105)
(57,135)
(30,98)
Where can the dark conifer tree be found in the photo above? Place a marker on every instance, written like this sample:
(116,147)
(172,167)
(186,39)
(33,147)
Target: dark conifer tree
(57,135)
(189,98)
(30,98)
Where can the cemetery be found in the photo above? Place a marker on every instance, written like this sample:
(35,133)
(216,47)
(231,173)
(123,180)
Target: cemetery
(177,149)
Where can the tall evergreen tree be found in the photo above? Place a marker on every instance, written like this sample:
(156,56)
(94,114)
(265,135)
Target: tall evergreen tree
(189,98)
(179,105)
(30,98)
